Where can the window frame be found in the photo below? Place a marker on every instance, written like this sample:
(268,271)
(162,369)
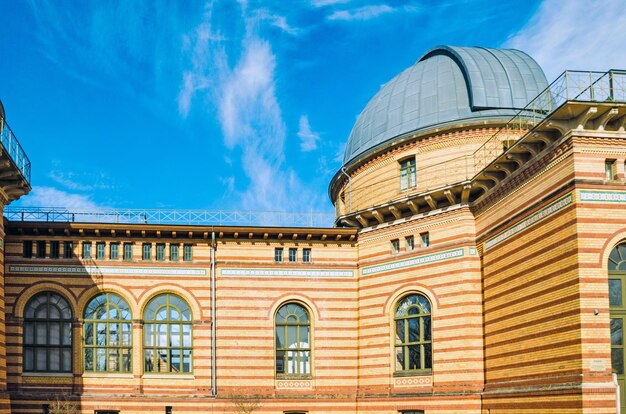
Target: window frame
(68,249)
(299,350)
(409,243)
(174,252)
(293,254)
(278,254)
(394,245)
(48,322)
(55,249)
(124,367)
(27,249)
(408,173)
(146,251)
(160,252)
(100,250)
(307,255)
(425,239)
(405,343)
(128,251)
(152,325)
(41,249)
(86,250)
(114,251)
(187,252)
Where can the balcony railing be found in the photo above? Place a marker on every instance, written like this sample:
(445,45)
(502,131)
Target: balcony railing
(569,86)
(14,149)
(175,217)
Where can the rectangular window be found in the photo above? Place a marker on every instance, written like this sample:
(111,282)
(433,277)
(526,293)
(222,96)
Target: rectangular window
(160,252)
(174,253)
(407,174)
(68,249)
(86,250)
(27,249)
(54,249)
(609,170)
(128,251)
(425,237)
(147,251)
(41,249)
(100,250)
(410,243)
(306,255)
(395,246)
(187,253)
(278,254)
(293,254)
(114,253)
(168,409)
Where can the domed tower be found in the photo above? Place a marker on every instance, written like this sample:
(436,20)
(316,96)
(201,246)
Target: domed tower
(420,132)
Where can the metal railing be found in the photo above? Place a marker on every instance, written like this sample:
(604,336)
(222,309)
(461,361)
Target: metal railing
(569,86)
(180,217)
(14,149)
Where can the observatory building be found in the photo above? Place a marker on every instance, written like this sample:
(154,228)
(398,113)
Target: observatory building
(477,264)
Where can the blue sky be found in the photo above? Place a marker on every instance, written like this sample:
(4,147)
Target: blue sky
(239,105)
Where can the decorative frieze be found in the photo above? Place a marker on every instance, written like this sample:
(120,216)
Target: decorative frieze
(421,381)
(312,273)
(414,261)
(603,196)
(530,221)
(108,270)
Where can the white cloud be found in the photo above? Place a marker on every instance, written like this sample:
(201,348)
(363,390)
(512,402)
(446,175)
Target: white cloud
(324,3)
(51,197)
(76,182)
(576,35)
(249,113)
(361,13)
(308,138)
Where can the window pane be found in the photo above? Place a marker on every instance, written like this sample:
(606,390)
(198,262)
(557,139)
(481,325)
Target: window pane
(126,359)
(55,359)
(148,334)
(67,333)
(66,357)
(28,359)
(617,360)
(427,330)
(175,360)
(400,358)
(41,359)
(304,336)
(616,331)
(414,357)
(280,337)
(55,334)
(41,334)
(88,359)
(162,362)
(615,292)
(187,335)
(428,356)
(174,335)
(305,367)
(414,329)
(187,362)
(280,362)
(28,333)
(399,332)
(101,336)
(148,360)
(161,334)
(101,360)
(292,341)
(114,360)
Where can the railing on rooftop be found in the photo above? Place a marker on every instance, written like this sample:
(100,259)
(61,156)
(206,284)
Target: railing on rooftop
(569,86)
(14,149)
(175,217)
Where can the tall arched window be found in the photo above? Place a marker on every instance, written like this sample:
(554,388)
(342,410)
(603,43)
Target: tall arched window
(107,333)
(617,310)
(167,335)
(293,347)
(413,343)
(47,334)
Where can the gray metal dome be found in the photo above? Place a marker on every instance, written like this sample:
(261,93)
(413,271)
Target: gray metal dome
(448,85)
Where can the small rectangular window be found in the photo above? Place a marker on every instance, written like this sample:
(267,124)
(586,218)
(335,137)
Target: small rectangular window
(41,249)
(174,253)
(54,249)
(114,253)
(45,408)
(408,177)
(168,409)
(410,243)
(293,255)
(609,170)
(68,249)
(395,246)
(27,249)
(187,253)
(278,254)
(128,251)
(100,250)
(425,237)
(306,255)
(86,250)
(147,251)
(160,252)
(411,412)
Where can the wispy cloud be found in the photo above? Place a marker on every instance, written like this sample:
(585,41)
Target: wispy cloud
(308,138)
(249,114)
(361,13)
(52,197)
(324,3)
(574,35)
(80,182)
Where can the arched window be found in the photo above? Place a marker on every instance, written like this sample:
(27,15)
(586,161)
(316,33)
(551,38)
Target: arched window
(413,344)
(47,334)
(617,304)
(293,347)
(107,334)
(167,335)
